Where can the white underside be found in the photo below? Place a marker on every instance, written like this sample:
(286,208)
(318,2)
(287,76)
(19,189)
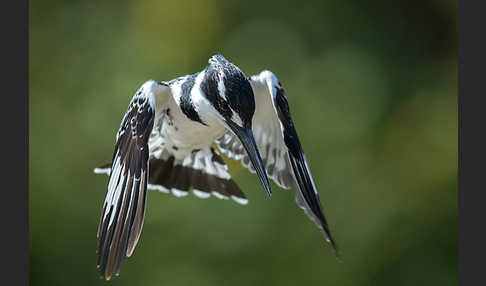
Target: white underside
(186,134)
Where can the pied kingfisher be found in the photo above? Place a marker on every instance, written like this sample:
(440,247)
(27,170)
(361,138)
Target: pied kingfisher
(171,126)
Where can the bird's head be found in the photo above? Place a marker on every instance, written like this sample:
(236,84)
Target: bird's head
(229,91)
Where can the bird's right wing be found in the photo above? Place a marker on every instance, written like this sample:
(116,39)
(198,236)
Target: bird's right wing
(124,206)
(280,147)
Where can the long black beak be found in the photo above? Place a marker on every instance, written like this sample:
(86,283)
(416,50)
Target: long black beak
(245,134)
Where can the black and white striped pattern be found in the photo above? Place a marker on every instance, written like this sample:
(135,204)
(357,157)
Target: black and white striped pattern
(204,173)
(124,207)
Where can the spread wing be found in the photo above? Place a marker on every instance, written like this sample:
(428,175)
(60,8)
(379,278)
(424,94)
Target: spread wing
(279,146)
(124,206)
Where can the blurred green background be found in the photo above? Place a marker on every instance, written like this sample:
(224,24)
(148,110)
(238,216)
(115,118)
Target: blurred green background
(372,88)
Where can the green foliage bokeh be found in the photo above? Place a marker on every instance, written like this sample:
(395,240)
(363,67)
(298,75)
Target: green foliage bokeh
(372,89)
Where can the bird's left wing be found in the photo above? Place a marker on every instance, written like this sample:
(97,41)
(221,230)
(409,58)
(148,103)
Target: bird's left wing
(280,147)
(124,206)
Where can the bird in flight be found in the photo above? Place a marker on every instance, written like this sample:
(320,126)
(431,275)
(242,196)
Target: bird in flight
(165,143)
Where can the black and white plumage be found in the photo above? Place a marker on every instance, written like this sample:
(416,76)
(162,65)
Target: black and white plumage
(165,143)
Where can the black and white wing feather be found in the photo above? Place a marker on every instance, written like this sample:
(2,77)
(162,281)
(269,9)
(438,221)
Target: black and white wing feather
(280,147)
(124,206)
(203,172)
